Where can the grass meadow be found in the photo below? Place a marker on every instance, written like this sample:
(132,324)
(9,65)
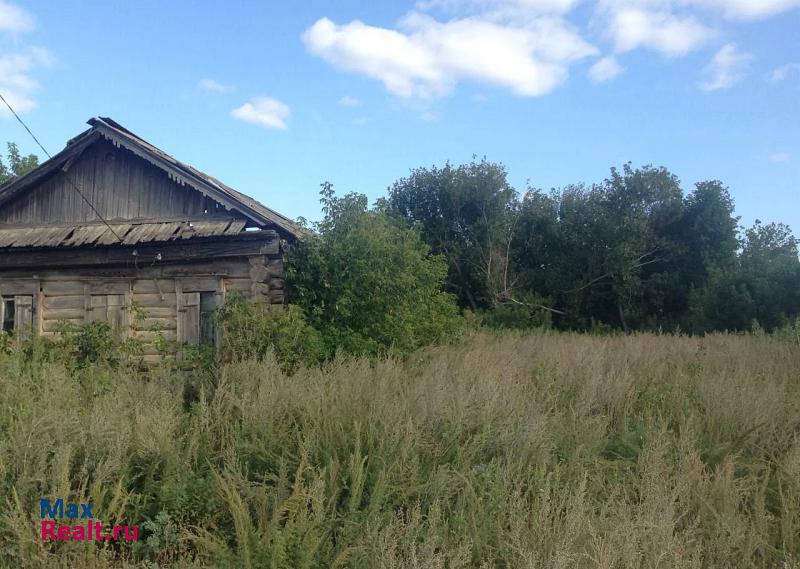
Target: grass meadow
(548,450)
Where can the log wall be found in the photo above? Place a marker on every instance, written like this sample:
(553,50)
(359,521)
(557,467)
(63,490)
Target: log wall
(142,302)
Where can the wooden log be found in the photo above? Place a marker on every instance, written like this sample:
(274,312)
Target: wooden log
(52,325)
(62,288)
(153,286)
(238,285)
(68,301)
(275,267)
(149,312)
(63,314)
(147,301)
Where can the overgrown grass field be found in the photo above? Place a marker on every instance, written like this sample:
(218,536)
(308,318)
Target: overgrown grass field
(542,450)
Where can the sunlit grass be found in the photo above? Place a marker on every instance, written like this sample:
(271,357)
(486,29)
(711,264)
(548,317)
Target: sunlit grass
(548,450)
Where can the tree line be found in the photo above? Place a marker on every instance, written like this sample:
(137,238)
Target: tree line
(633,252)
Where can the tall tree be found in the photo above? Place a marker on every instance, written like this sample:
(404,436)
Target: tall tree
(467,213)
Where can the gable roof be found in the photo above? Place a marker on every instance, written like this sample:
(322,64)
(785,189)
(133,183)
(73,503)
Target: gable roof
(181,173)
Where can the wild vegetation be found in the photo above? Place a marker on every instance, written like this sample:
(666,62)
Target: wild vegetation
(431,397)
(518,450)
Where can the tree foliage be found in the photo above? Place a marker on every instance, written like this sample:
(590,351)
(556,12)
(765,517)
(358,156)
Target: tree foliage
(466,213)
(17,163)
(368,283)
(631,252)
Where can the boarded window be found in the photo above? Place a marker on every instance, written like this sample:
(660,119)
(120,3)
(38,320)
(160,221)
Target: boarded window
(9,308)
(17,312)
(208,306)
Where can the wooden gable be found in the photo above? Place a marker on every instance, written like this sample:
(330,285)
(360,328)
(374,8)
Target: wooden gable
(119,184)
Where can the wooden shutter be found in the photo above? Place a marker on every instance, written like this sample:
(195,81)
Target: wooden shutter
(189,317)
(98,308)
(23,317)
(116,313)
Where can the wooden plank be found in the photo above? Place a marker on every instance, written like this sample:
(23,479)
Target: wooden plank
(23,236)
(236,226)
(57,238)
(109,238)
(85,235)
(7,237)
(135,234)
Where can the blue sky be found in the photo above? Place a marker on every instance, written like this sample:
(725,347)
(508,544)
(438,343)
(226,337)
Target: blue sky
(274,98)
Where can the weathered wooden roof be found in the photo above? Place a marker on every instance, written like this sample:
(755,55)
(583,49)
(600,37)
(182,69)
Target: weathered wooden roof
(131,233)
(181,173)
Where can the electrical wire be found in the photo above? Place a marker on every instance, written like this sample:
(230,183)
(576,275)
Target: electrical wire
(71,183)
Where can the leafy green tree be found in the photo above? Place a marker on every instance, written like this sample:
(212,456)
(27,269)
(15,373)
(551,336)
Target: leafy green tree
(368,283)
(614,245)
(17,164)
(468,214)
(762,286)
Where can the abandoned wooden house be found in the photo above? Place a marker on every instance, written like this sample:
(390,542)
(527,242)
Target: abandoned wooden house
(111,228)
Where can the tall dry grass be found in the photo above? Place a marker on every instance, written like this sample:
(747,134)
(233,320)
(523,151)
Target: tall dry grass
(550,450)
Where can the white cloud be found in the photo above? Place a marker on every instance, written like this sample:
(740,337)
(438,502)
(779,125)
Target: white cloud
(528,46)
(727,68)
(500,9)
(632,24)
(779,157)
(15,19)
(16,82)
(746,9)
(425,58)
(675,27)
(264,111)
(348,101)
(605,69)
(213,86)
(784,71)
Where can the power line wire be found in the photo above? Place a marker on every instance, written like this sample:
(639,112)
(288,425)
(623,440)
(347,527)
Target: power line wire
(69,179)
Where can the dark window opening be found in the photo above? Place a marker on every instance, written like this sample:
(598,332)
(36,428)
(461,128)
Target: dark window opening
(208,307)
(9,313)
